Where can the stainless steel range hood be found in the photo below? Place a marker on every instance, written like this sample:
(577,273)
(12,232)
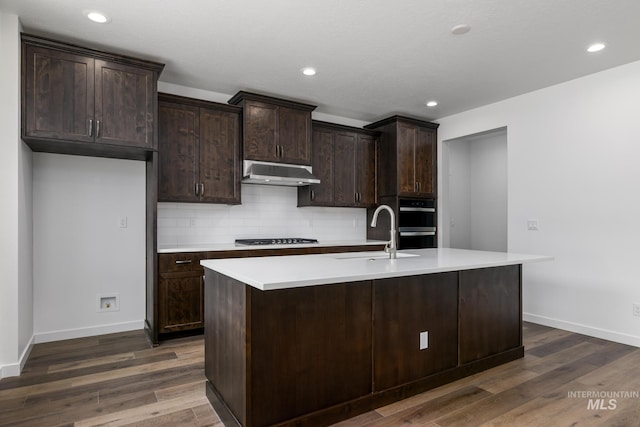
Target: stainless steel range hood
(277,174)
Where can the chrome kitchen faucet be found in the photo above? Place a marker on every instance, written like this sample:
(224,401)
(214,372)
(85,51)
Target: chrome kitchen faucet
(390,247)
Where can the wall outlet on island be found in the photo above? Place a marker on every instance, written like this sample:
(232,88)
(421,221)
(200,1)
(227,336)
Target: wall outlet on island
(424,340)
(532,224)
(636,309)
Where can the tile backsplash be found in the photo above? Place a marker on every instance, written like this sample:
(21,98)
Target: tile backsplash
(266,211)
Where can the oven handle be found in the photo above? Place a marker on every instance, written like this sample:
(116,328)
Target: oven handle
(417,233)
(410,209)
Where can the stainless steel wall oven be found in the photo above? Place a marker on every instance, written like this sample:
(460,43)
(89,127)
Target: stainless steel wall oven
(417,224)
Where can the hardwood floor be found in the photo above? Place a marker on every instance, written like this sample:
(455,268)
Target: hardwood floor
(118,380)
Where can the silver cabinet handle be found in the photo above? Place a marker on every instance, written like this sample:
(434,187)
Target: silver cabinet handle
(196,189)
(90,127)
(313,195)
(183,261)
(97,128)
(202,190)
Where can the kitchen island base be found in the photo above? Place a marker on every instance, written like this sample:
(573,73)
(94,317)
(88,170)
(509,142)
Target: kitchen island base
(316,355)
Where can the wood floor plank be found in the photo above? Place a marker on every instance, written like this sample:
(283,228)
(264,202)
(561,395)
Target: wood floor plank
(118,379)
(78,364)
(142,413)
(432,409)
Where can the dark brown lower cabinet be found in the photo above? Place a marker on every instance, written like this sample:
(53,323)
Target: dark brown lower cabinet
(490,312)
(316,355)
(403,308)
(278,355)
(181,301)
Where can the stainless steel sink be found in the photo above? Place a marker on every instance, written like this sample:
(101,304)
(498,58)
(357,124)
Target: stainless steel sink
(372,256)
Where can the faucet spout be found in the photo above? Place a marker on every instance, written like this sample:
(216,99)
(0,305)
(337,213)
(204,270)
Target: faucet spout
(391,247)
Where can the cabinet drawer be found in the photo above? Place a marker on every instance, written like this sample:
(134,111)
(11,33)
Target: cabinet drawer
(182,261)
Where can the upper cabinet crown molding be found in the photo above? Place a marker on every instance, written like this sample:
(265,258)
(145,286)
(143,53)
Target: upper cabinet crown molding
(242,96)
(82,101)
(48,43)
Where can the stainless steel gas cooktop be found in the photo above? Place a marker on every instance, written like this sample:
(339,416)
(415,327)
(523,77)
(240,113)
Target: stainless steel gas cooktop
(275,241)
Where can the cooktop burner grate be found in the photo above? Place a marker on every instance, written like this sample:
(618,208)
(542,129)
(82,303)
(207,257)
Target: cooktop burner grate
(275,241)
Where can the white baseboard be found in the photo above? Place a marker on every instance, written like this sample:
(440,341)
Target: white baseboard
(91,331)
(14,369)
(583,329)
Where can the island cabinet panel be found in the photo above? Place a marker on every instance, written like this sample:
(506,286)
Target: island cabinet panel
(274,356)
(310,349)
(403,308)
(490,312)
(227,343)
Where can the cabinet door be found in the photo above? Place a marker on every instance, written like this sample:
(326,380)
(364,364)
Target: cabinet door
(344,189)
(403,308)
(260,131)
(124,107)
(425,162)
(365,166)
(59,95)
(181,302)
(219,156)
(322,163)
(178,152)
(294,136)
(407,137)
(490,311)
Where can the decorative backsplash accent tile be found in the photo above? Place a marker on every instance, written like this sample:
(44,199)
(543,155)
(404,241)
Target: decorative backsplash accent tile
(266,211)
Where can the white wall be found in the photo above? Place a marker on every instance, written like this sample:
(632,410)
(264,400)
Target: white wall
(80,250)
(16,284)
(266,211)
(455,195)
(573,165)
(476,188)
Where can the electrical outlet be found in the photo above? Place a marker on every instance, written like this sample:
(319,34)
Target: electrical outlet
(122,222)
(636,309)
(532,224)
(424,340)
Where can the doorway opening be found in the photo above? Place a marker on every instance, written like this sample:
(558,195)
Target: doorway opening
(474,191)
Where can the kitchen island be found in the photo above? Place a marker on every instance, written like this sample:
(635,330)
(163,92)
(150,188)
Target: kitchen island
(314,339)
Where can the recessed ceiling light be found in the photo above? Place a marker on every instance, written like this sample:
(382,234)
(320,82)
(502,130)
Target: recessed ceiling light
(431,103)
(460,29)
(308,71)
(596,47)
(98,17)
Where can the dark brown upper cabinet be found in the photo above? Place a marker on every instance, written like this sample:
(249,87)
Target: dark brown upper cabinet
(344,159)
(275,130)
(408,160)
(83,101)
(199,151)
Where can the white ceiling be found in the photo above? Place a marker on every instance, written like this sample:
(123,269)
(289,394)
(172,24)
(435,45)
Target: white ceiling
(374,57)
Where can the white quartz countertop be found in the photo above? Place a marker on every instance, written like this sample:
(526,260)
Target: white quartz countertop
(211,247)
(283,272)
